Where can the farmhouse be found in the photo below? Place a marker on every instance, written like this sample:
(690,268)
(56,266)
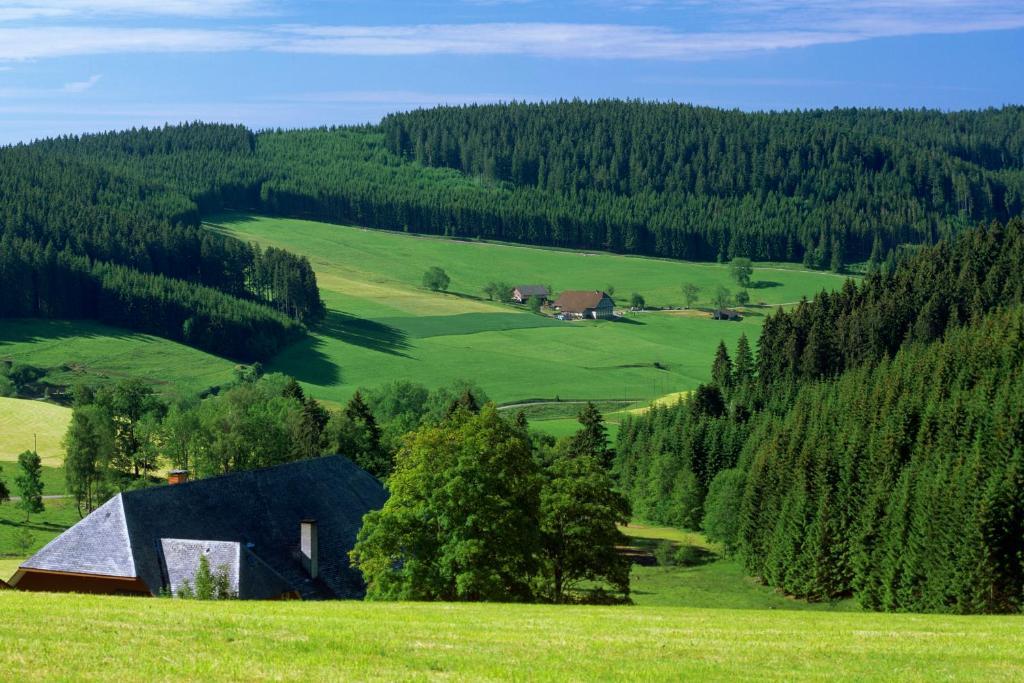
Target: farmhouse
(595,304)
(280,532)
(522,293)
(726,314)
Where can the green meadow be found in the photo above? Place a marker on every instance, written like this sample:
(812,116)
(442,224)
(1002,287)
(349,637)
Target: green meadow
(25,425)
(83,351)
(383,325)
(77,637)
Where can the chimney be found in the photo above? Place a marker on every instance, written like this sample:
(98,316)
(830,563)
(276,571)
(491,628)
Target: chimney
(177,477)
(309,548)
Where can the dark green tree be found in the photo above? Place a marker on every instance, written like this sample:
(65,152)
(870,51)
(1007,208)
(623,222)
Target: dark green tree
(579,511)
(690,293)
(29,483)
(592,438)
(741,270)
(461,521)
(436,280)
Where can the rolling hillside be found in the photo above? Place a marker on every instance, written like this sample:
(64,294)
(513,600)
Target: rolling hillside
(79,350)
(382,325)
(26,423)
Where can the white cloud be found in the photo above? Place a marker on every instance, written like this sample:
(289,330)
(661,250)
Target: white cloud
(21,10)
(67,41)
(82,86)
(737,27)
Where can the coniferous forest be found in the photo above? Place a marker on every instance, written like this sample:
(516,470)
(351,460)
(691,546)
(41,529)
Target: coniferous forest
(874,444)
(109,226)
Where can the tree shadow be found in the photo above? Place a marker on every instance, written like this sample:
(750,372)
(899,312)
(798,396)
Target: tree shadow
(764,284)
(369,334)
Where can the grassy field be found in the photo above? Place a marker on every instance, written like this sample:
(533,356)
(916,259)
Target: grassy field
(75,351)
(701,576)
(67,637)
(60,514)
(382,325)
(23,422)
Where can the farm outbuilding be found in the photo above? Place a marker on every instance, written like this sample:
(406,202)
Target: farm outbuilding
(726,314)
(524,293)
(278,532)
(593,304)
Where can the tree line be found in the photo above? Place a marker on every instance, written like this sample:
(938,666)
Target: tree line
(703,183)
(871,447)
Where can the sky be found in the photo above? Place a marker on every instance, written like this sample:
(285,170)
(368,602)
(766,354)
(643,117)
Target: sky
(75,66)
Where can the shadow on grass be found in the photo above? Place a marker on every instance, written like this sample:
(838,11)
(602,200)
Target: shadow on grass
(764,284)
(369,334)
(36,525)
(31,330)
(663,553)
(628,320)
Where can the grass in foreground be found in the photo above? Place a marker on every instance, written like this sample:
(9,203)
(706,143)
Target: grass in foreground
(382,325)
(110,638)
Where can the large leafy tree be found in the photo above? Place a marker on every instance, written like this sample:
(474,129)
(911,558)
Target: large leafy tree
(88,447)
(579,511)
(461,522)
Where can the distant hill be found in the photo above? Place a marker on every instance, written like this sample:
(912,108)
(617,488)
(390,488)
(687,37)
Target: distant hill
(107,227)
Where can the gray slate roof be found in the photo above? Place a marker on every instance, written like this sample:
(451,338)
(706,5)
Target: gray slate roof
(258,511)
(249,577)
(532,290)
(98,544)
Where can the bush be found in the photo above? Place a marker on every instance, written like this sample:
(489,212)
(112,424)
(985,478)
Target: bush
(435,279)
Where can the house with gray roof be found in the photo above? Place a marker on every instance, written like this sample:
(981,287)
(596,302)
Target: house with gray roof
(523,293)
(278,532)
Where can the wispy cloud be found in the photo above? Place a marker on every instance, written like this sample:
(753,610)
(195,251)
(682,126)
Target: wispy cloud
(22,10)
(82,86)
(738,27)
(69,41)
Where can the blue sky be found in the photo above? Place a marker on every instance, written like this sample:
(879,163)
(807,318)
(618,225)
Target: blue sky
(71,66)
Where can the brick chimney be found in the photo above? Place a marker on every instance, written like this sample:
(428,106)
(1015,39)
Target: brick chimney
(309,548)
(177,477)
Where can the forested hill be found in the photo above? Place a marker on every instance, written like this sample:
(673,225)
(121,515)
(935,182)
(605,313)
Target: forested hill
(108,227)
(874,446)
(699,183)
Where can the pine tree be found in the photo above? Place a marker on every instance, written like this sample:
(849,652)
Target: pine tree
(721,369)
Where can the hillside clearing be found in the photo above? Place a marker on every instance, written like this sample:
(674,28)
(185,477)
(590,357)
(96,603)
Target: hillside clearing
(381,325)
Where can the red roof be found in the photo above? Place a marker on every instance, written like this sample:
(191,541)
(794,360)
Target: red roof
(578,302)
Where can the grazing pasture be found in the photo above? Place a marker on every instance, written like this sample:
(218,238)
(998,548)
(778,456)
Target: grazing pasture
(84,351)
(23,423)
(382,325)
(89,637)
